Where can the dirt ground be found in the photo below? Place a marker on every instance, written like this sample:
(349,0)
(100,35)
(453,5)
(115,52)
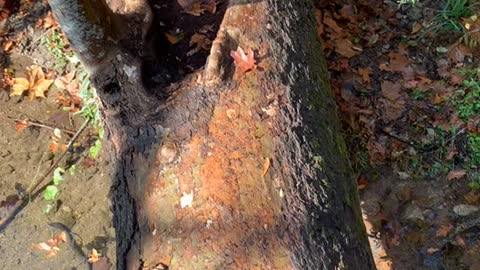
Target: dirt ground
(416,219)
(82,207)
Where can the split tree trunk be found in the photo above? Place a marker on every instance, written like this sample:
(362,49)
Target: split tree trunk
(222,170)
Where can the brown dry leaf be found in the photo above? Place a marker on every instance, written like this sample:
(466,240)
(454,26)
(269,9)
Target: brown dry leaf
(94,256)
(68,82)
(49,21)
(473,197)
(376,150)
(365,74)
(195,9)
(174,37)
(456,174)
(243,62)
(346,48)
(36,84)
(333,26)
(266,166)
(390,90)
(444,230)
(399,62)
(201,42)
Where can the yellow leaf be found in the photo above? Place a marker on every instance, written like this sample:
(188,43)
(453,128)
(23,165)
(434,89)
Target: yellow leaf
(94,256)
(266,166)
(20,85)
(41,87)
(35,83)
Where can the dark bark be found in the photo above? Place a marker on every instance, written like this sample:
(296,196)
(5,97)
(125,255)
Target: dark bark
(260,152)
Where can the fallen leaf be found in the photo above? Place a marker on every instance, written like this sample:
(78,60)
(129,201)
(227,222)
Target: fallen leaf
(456,174)
(174,36)
(346,48)
(36,84)
(391,90)
(195,9)
(94,256)
(51,245)
(432,250)
(444,230)
(365,74)
(266,166)
(49,21)
(243,62)
(201,42)
(21,125)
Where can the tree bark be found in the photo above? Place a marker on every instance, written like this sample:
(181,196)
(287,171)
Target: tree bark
(259,154)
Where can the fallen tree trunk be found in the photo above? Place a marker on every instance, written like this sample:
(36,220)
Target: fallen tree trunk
(217,169)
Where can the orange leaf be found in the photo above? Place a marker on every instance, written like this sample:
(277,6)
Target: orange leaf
(21,125)
(94,256)
(243,62)
(443,231)
(201,42)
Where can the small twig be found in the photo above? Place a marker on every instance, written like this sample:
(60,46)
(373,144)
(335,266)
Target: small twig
(22,202)
(398,138)
(55,164)
(41,36)
(37,124)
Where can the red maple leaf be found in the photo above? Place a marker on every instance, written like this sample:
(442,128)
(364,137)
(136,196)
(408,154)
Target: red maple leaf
(243,62)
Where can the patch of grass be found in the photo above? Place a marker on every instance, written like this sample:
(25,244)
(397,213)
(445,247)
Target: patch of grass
(467,99)
(91,110)
(447,20)
(418,94)
(57,46)
(473,147)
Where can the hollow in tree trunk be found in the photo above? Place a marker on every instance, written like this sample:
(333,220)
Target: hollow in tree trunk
(215,168)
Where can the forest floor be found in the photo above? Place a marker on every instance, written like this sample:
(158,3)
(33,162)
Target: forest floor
(407,85)
(408,96)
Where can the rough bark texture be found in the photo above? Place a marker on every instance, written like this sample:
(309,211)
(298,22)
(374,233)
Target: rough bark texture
(260,153)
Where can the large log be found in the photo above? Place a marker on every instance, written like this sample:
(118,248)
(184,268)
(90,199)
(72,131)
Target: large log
(259,154)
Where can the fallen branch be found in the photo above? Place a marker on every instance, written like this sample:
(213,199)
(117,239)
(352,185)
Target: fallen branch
(37,124)
(31,194)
